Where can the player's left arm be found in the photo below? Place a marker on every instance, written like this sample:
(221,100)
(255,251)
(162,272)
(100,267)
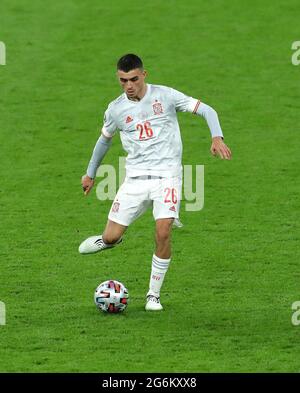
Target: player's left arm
(218,147)
(184,103)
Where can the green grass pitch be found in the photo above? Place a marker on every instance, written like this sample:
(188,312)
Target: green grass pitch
(235,267)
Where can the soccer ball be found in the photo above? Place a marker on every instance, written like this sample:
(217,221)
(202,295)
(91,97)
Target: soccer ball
(111,296)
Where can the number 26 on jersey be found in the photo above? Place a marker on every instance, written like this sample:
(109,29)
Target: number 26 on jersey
(145,131)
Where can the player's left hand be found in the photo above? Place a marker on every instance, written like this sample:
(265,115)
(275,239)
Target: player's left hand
(219,148)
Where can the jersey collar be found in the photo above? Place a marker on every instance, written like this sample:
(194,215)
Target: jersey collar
(145,96)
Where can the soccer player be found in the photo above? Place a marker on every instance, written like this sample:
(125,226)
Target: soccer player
(145,116)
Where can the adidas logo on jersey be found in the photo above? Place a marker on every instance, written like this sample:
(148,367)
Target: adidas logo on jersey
(173,209)
(129,119)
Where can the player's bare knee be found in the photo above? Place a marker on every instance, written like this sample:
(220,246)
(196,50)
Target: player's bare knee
(163,231)
(163,236)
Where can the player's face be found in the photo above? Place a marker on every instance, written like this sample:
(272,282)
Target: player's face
(133,82)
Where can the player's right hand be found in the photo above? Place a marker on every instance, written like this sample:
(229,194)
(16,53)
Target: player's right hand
(87,184)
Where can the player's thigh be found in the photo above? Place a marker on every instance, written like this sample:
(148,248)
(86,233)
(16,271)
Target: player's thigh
(131,201)
(166,198)
(113,232)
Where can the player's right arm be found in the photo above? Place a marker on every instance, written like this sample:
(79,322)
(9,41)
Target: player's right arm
(102,146)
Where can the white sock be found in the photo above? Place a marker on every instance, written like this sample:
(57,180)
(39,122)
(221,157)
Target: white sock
(158,272)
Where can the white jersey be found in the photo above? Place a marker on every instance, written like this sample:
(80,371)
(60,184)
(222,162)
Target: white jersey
(149,130)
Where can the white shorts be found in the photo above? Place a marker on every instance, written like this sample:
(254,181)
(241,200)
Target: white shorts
(137,194)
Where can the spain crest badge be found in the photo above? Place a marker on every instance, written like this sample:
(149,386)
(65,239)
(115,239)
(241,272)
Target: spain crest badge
(157,108)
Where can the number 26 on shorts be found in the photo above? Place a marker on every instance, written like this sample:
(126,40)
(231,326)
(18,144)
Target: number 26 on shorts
(170,195)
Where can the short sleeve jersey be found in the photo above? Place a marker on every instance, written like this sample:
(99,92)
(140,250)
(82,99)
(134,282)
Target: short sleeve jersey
(149,130)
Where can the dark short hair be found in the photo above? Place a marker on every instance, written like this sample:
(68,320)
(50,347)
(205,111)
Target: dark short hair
(129,62)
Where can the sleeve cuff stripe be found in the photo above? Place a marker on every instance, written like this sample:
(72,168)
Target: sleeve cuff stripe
(196,107)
